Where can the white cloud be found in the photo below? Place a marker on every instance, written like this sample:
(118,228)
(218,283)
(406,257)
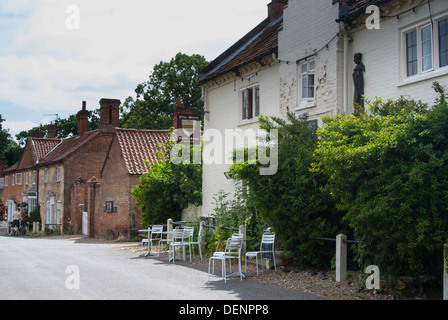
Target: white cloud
(50,68)
(17,127)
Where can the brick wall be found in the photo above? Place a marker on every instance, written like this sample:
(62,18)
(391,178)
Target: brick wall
(308,27)
(116,184)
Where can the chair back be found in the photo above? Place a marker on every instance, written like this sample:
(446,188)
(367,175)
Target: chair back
(233,246)
(201,229)
(267,241)
(179,235)
(237,236)
(156,230)
(189,231)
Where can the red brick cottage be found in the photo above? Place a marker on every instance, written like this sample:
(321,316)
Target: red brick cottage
(21,180)
(116,213)
(86,181)
(75,161)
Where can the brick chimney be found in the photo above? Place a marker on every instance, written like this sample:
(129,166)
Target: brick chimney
(83,120)
(109,115)
(52,131)
(275,9)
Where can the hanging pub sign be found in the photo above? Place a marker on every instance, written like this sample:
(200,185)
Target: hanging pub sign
(189,128)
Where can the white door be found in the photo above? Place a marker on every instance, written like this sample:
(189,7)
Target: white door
(84,223)
(52,213)
(11,209)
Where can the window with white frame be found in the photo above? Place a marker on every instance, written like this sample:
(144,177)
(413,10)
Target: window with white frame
(425,47)
(6,181)
(46,175)
(13,180)
(27,174)
(47,212)
(58,174)
(34,178)
(250,102)
(58,212)
(19,179)
(32,203)
(443,42)
(307,72)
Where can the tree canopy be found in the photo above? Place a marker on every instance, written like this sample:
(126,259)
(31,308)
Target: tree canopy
(156,98)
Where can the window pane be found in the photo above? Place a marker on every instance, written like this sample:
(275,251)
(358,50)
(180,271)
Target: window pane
(426,33)
(244,95)
(250,103)
(411,46)
(311,92)
(443,39)
(305,87)
(426,48)
(257,101)
(311,80)
(312,65)
(427,63)
(304,68)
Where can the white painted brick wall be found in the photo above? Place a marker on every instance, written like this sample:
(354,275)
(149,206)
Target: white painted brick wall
(384,60)
(307,27)
(224,103)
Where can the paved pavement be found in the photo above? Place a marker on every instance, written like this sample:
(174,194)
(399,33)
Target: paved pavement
(67,269)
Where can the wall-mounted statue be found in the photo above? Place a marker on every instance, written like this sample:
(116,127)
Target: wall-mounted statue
(358,80)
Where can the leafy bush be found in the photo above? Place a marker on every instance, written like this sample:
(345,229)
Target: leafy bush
(388,170)
(168,188)
(294,201)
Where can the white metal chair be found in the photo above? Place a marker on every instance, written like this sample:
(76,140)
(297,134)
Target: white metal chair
(180,239)
(190,232)
(232,251)
(156,235)
(198,241)
(266,247)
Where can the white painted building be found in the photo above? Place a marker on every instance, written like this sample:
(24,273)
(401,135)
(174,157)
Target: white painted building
(238,86)
(309,68)
(318,43)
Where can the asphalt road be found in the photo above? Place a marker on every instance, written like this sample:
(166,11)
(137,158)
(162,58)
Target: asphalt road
(67,269)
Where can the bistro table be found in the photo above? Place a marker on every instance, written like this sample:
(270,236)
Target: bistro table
(149,237)
(240,272)
(149,230)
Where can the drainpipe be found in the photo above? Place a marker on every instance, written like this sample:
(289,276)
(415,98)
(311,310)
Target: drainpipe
(346,40)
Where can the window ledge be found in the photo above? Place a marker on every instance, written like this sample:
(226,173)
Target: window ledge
(423,76)
(305,105)
(248,121)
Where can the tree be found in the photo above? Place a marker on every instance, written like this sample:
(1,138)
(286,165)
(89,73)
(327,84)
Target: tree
(388,170)
(156,98)
(168,188)
(4,138)
(9,149)
(66,127)
(293,201)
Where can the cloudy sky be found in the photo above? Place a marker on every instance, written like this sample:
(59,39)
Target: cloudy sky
(50,61)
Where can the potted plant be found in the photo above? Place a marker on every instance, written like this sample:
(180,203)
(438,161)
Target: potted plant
(286,259)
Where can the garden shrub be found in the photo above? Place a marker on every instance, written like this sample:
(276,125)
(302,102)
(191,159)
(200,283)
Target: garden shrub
(387,169)
(294,201)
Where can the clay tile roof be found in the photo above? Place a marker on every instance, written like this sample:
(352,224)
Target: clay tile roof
(43,146)
(258,43)
(68,146)
(138,146)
